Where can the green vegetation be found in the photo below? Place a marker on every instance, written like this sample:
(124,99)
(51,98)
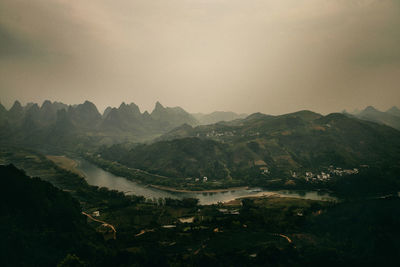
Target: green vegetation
(42,224)
(265,151)
(251,232)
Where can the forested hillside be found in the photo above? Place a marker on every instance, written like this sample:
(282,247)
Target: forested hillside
(41,224)
(265,147)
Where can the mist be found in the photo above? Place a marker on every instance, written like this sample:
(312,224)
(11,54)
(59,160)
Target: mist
(245,56)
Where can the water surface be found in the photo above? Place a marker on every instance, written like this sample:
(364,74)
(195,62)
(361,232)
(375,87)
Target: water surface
(99,177)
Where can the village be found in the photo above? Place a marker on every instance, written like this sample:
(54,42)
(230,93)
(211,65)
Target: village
(328,174)
(311,177)
(217,134)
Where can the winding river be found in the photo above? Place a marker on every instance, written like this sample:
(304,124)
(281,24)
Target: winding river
(99,177)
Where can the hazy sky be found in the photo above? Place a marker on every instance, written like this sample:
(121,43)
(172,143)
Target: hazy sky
(203,55)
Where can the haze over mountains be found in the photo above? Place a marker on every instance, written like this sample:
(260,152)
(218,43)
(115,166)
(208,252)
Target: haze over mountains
(391,117)
(169,149)
(217,116)
(182,146)
(125,123)
(146,163)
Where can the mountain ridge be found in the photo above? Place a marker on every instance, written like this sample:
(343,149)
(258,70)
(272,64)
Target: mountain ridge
(85,124)
(391,117)
(264,147)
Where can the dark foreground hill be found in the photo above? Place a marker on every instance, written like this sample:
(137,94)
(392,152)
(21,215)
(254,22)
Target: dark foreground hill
(40,224)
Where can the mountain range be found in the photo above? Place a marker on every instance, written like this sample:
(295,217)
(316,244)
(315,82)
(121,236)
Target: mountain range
(262,146)
(61,124)
(173,143)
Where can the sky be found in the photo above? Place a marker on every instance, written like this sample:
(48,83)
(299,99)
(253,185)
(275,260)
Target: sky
(246,56)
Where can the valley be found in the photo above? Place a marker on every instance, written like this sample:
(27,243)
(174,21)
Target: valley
(278,187)
(199,133)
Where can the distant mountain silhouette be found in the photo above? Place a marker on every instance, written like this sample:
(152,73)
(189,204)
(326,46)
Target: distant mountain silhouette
(84,115)
(48,111)
(394,111)
(171,117)
(56,124)
(390,118)
(3,114)
(125,118)
(16,112)
(31,118)
(81,124)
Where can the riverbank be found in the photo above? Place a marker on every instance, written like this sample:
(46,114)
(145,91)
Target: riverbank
(72,166)
(97,176)
(66,163)
(171,189)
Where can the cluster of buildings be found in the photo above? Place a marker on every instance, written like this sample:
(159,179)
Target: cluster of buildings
(340,172)
(229,211)
(217,134)
(324,176)
(310,177)
(205,179)
(214,133)
(262,165)
(253,134)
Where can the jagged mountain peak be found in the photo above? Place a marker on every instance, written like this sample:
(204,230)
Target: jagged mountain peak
(158,106)
(394,111)
(370,109)
(132,107)
(394,108)
(16,112)
(16,105)
(172,117)
(107,111)
(88,103)
(46,104)
(86,114)
(87,106)
(387,118)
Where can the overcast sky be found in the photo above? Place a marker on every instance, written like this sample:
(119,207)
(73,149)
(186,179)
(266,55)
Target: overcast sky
(203,55)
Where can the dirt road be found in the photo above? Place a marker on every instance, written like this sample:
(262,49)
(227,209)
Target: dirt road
(102,222)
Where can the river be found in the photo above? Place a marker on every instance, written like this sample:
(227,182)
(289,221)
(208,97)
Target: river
(99,177)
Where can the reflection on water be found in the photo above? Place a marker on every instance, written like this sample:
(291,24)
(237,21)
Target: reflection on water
(97,176)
